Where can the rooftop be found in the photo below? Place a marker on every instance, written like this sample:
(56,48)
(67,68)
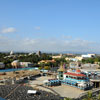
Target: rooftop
(75,74)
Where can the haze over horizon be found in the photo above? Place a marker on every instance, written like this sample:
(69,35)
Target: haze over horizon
(50,25)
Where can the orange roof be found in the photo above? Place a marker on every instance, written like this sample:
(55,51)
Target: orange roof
(75,74)
(78,70)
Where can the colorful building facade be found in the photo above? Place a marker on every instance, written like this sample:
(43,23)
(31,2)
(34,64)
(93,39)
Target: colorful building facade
(74,78)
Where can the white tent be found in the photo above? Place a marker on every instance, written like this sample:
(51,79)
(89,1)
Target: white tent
(32,91)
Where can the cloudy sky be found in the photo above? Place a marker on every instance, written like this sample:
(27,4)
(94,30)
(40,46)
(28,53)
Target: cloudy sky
(50,25)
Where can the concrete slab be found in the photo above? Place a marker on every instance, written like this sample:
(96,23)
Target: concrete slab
(68,91)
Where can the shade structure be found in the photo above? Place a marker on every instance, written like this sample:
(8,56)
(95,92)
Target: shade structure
(32,91)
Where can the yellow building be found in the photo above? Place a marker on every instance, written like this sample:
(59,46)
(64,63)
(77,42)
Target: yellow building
(79,58)
(46,61)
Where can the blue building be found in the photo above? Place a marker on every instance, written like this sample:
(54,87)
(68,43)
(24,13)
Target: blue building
(76,79)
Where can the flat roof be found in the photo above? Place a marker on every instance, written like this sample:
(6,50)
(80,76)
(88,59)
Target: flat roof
(93,70)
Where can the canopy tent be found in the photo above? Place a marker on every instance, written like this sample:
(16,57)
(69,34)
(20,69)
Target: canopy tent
(32,91)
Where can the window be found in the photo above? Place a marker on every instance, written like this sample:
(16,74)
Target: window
(61,75)
(66,76)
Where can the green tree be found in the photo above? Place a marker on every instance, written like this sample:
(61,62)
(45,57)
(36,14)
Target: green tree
(67,98)
(89,96)
(47,68)
(45,56)
(40,68)
(42,64)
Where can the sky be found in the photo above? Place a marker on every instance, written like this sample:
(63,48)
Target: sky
(50,25)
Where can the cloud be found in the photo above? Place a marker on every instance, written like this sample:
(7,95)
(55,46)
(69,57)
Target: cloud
(8,30)
(37,28)
(66,37)
(48,45)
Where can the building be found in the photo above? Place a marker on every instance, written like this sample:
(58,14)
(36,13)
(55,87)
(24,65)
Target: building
(77,79)
(92,55)
(79,58)
(2,65)
(46,61)
(93,75)
(38,53)
(15,64)
(69,55)
(74,78)
(52,82)
(71,59)
(26,64)
(31,53)
(57,56)
(61,71)
(11,53)
(90,66)
(74,65)
(88,55)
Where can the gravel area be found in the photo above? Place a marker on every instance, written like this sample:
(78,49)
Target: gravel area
(20,93)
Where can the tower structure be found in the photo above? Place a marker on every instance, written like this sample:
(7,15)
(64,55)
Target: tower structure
(39,53)
(11,53)
(61,71)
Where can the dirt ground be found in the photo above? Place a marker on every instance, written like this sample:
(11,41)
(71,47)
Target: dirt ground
(18,74)
(63,90)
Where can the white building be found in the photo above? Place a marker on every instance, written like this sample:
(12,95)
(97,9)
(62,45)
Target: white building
(11,53)
(90,66)
(71,59)
(88,55)
(31,53)
(58,56)
(17,63)
(2,65)
(91,71)
(79,58)
(26,64)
